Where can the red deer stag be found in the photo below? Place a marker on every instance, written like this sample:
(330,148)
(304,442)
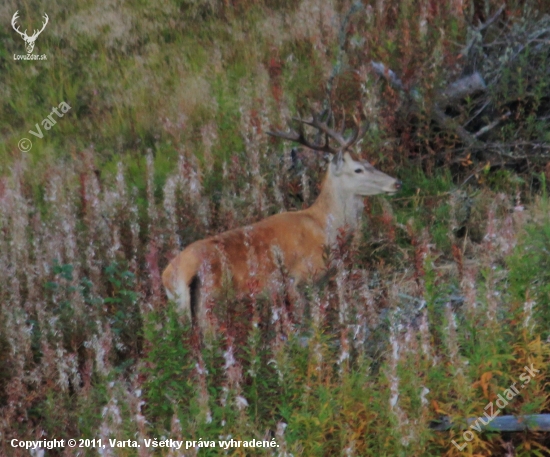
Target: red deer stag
(294,239)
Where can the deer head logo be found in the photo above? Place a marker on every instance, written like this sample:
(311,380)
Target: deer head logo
(29,40)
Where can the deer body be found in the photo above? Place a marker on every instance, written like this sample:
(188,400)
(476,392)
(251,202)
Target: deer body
(298,238)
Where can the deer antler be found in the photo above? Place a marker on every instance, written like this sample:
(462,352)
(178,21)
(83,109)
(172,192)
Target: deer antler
(300,137)
(16,28)
(35,34)
(321,123)
(24,34)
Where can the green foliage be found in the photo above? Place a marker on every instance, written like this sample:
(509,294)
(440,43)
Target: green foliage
(168,366)
(62,291)
(529,266)
(124,316)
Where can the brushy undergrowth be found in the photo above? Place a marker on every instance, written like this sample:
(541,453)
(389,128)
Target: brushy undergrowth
(431,310)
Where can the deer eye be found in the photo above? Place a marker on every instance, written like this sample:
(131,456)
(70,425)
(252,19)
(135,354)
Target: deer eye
(359,170)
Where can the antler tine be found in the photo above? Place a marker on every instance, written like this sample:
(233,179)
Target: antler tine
(343,123)
(300,137)
(330,116)
(326,116)
(38,32)
(316,122)
(319,133)
(363,130)
(358,133)
(15,26)
(44,24)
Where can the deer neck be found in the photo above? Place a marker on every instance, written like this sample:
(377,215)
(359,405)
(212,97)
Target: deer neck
(335,208)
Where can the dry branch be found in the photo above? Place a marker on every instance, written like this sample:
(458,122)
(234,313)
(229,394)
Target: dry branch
(457,90)
(493,124)
(383,71)
(454,91)
(463,88)
(476,31)
(449,124)
(532,422)
(517,95)
(492,19)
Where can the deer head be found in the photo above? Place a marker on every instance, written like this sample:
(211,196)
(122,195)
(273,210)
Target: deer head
(29,40)
(349,176)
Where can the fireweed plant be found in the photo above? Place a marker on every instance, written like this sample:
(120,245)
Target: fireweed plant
(430,309)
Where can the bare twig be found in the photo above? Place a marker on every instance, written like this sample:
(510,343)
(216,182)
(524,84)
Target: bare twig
(476,34)
(533,37)
(501,146)
(383,71)
(492,19)
(449,123)
(492,125)
(476,171)
(477,113)
(459,89)
(496,154)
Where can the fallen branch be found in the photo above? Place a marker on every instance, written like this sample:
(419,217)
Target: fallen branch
(453,92)
(500,148)
(463,88)
(477,113)
(532,422)
(383,71)
(450,124)
(456,90)
(492,125)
